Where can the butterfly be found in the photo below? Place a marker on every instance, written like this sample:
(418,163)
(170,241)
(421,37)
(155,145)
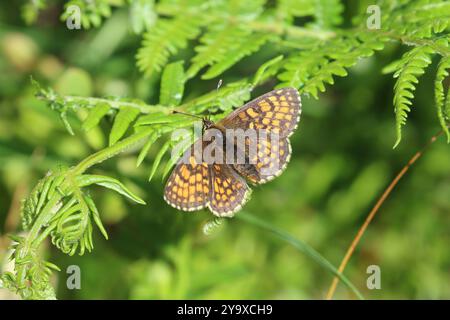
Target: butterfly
(197,183)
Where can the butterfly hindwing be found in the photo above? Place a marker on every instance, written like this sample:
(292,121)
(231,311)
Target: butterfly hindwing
(188,186)
(229,191)
(269,162)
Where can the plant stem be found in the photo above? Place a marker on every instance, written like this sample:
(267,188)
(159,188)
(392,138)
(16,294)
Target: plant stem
(374,211)
(111,151)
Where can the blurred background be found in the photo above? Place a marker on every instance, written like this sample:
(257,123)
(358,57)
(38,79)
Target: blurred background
(342,161)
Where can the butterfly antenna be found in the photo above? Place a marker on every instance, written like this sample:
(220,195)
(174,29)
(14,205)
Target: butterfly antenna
(187,114)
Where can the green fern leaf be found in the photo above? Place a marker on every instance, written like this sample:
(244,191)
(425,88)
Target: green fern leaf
(122,121)
(107,182)
(158,159)
(144,151)
(236,54)
(410,67)
(441,74)
(215,44)
(95,115)
(172,84)
(267,70)
(165,38)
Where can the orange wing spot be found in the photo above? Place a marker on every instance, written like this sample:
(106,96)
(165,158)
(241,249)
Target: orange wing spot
(220,205)
(192,161)
(221,190)
(192,189)
(191,198)
(242,115)
(224,198)
(177,179)
(199,186)
(185,193)
(199,199)
(288,117)
(216,186)
(264,106)
(175,188)
(229,192)
(285,108)
(266,121)
(192,179)
(279,116)
(180,192)
(217,196)
(273,99)
(269,114)
(251,125)
(198,177)
(205,189)
(275,122)
(283,98)
(281,152)
(232,198)
(287,125)
(185,173)
(252,113)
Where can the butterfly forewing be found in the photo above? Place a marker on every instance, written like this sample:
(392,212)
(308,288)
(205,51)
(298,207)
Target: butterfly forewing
(278,111)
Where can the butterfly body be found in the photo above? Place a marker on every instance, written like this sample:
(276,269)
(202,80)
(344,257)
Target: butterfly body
(250,144)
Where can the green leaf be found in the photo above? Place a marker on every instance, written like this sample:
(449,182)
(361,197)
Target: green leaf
(172,84)
(122,121)
(95,115)
(165,38)
(266,70)
(412,65)
(158,158)
(439,95)
(236,53)
(151,139)
(142,15)
(107,182)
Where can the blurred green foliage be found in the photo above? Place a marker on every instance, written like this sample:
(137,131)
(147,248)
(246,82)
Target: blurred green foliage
(342,160)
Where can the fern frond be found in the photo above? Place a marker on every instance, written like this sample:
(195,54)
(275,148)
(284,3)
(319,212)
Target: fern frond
(215,44)
(310,70)
(328,13)
(235,54)
(122,122)
(164,39)
(407,70)
(439,95)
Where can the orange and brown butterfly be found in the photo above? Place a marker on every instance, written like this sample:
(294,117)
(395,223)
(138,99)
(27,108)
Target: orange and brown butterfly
(222,187)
